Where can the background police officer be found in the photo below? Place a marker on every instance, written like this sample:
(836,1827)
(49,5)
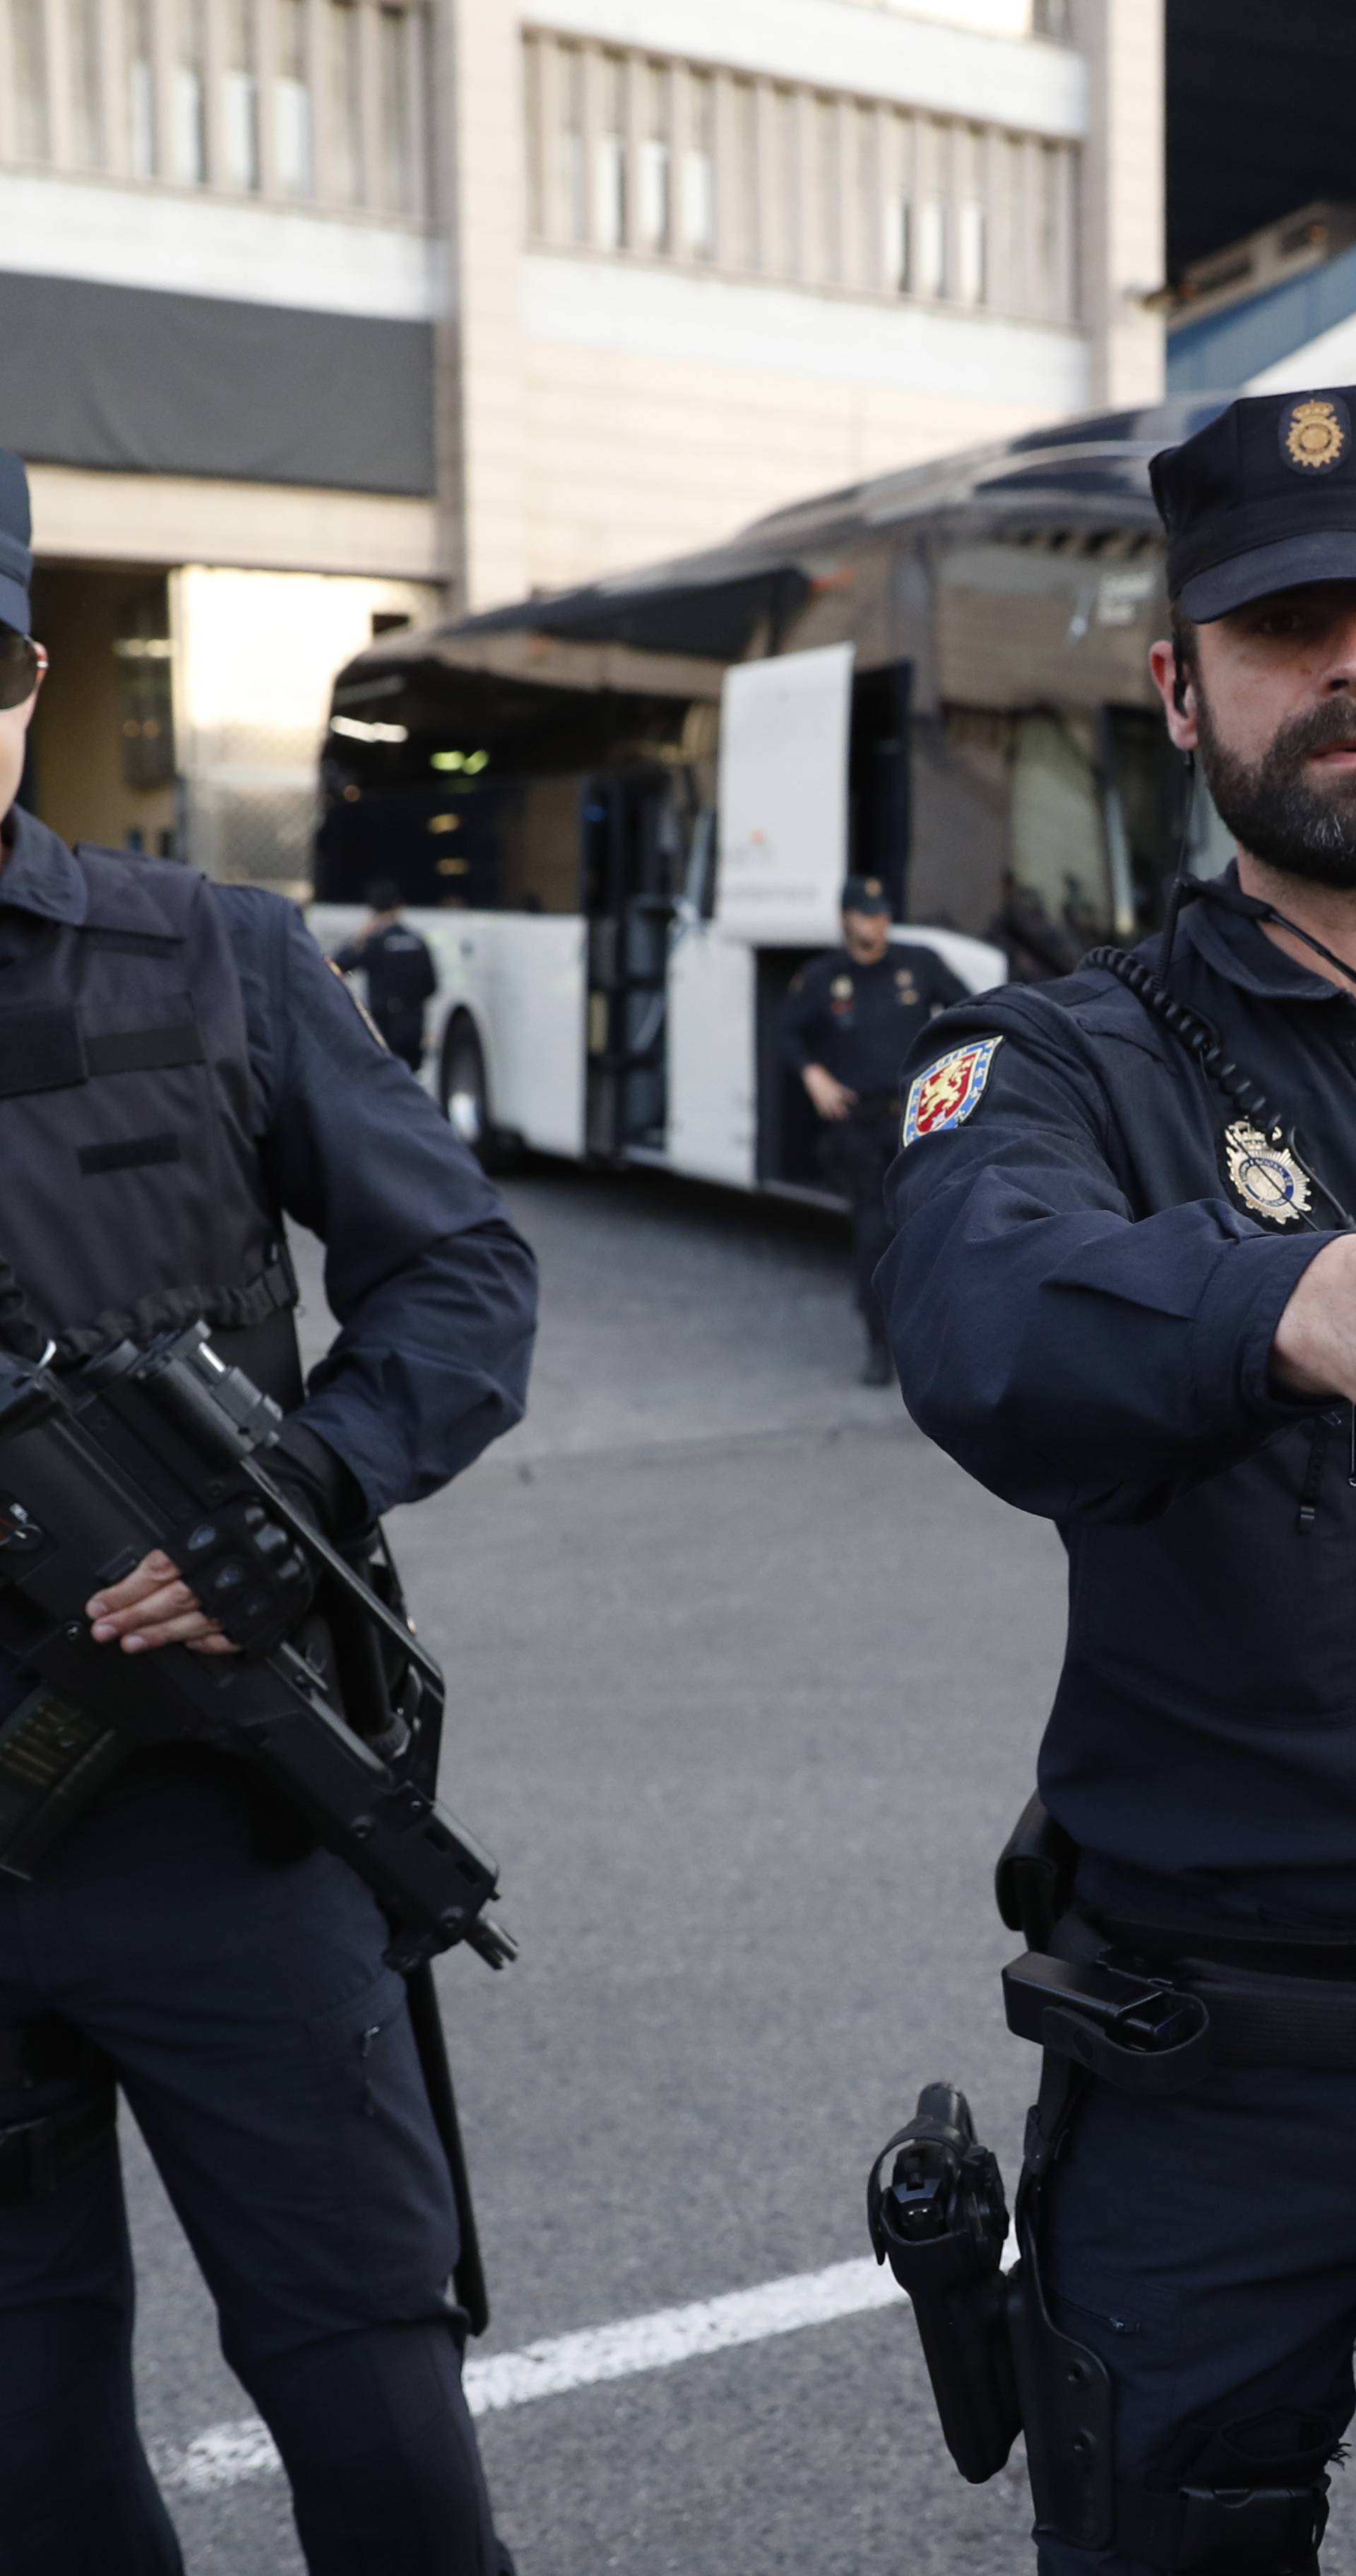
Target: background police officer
(847,1026)
(178,1067)
(1123,1294)
(401,976)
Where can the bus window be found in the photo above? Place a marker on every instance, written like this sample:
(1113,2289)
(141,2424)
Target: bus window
(1059,862)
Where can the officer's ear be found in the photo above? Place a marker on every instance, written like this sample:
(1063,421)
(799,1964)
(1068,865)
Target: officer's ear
(1174,680)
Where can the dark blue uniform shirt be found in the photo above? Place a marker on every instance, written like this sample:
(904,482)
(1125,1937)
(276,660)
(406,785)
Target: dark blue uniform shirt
(1088,1272)
(860,1021)
(434,1292)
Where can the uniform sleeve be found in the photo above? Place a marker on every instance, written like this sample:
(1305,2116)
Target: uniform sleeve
(434,1290)
(1079,1362)
(803,1007)
(426,982)
(350,957)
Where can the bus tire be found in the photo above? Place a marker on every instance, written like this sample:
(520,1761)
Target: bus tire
(464,1093)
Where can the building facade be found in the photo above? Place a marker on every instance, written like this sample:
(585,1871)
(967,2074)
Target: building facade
(710,255)
(319,313)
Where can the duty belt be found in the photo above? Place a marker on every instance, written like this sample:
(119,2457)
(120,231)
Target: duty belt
(1147,2006)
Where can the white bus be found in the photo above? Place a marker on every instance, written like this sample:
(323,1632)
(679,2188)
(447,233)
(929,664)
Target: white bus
(622,817)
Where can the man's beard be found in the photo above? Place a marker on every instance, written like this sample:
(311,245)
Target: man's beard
(1272,809)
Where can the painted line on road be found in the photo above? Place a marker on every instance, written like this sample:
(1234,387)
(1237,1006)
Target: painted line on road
(227,2454)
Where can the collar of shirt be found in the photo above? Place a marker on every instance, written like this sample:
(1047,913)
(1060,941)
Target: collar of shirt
(1240,950)
(40,875)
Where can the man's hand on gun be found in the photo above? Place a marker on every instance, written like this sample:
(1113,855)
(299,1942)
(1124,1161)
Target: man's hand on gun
(151,1607)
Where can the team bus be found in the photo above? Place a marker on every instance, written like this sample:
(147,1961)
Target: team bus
(621,816)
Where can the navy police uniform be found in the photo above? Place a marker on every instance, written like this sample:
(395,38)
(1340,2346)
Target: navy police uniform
(401,978)
(859,1023)
(1093,1248)
(178,1070)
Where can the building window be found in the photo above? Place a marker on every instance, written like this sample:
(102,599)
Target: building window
(190,98)
(292,101)
(609,169)
(930,274)
(30,79)
(627,152)
(699,169)
(240,102)
(656,211)
(745,194)
(140,89)
(790,212)
(344,33)
(828,193)
(87,88)
(573,176)
(970,246)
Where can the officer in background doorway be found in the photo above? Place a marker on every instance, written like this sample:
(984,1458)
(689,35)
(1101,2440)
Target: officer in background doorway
(1123,1295)
(848,1022)
(179,1069)
(401,976)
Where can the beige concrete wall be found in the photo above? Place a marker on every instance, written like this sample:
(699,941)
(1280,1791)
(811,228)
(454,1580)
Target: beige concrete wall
(1123,254)
(172,519)
(632,460)
(483,113)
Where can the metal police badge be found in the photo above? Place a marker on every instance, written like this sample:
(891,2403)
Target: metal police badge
(945,1095)
(1267,1178)
(1315,433)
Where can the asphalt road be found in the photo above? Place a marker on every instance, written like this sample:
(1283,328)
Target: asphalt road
(746,1682)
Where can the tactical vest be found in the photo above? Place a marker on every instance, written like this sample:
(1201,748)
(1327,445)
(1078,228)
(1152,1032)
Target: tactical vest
(134,1195)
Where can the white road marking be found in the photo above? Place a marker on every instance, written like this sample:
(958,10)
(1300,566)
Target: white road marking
(226,2454)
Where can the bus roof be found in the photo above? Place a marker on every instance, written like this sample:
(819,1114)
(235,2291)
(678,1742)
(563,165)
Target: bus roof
(1074,475)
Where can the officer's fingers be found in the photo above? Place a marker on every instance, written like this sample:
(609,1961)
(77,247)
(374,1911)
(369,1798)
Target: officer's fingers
(214,1644)
(184,1629)
(163,1601)
(144,1579)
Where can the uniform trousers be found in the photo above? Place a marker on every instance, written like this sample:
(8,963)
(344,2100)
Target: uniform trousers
(1205,2247)
(855,1154)
(266,2054)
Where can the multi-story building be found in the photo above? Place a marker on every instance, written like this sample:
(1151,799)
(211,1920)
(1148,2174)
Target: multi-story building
(317,312)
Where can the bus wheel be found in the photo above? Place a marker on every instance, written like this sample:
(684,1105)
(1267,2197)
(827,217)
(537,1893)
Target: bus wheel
(464,1093)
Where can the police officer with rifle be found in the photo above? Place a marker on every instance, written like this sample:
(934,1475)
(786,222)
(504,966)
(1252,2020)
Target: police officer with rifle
(223,1867)
(1123,1294)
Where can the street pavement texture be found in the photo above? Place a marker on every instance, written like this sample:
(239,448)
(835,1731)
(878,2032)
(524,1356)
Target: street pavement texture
(745,1685)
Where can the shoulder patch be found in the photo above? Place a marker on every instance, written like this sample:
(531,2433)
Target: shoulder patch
(946,1094)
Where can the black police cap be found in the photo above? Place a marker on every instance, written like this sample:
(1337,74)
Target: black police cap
(864,894)
(1260,500)
(16,529)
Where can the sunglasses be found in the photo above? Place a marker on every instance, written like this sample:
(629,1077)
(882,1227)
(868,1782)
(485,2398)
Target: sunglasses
(22,665)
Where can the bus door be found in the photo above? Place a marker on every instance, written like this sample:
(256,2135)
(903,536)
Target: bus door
(783,851)
(633,858)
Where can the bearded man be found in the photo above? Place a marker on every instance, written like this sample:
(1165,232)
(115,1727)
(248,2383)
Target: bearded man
(1122,1294)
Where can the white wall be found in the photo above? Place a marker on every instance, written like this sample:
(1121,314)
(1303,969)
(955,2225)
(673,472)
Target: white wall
(197,245)
(1042,89)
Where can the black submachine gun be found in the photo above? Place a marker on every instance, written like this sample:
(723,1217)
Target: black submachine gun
(167,1447)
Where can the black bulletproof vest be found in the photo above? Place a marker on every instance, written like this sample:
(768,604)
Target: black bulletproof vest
(133,1194)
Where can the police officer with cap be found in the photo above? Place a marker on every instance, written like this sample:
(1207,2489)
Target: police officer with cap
(398,965)
(847,1025)
(178,1070)
(1123,1294)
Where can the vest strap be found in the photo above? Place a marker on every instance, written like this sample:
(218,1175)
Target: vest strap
(166,1309)
(49,1050)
